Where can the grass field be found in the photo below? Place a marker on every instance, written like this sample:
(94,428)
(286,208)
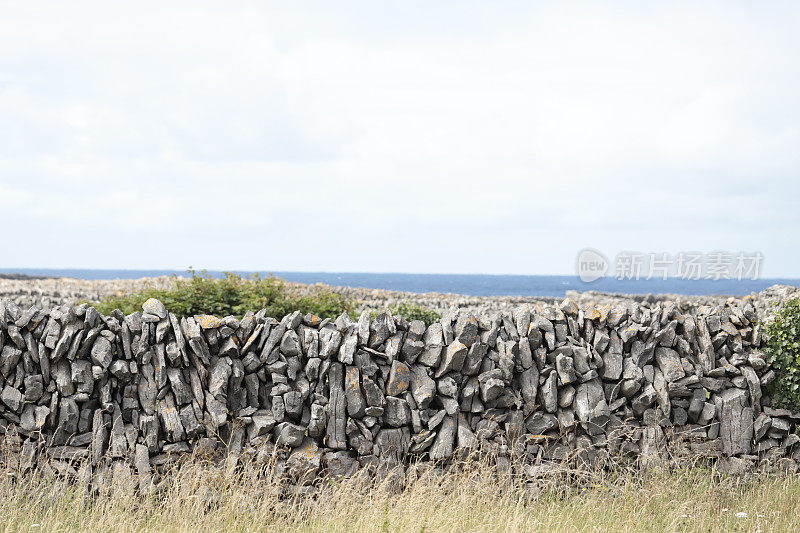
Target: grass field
(201,497)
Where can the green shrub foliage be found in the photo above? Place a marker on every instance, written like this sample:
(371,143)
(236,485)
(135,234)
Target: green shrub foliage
(231,295)
(411,311)
(783,353)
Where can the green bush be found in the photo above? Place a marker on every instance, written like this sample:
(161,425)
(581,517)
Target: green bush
(411,311)
(231,295)
(783,353)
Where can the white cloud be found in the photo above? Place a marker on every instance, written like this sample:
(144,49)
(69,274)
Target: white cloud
(446,137)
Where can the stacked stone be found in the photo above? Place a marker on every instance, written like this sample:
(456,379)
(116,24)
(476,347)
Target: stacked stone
(531,386)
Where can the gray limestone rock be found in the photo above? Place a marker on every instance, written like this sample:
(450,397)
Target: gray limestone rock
(262,424)
(170,420)
(352,391)
(397,412)
(180,388)
(68,415)
(290,344)
(293,403)
(381,329)
(34,387)
(529,386)
(590,402)
(336,408)
(423,388)
(391,445)
(612,366)
(340,463)
(491,385)
(348,348)
(548,393)
(753,386)
(12,398)
(566,369)
(466,330)
(761,425)
(670,363)
(443,446)
(288,434)
(453,359)
(400,379)
(305,460)
(434,342)
(539,423)
(475,356)
(465,437)
(9,357)
(317,421)
(154,307)
(102,352)
(736,422)
(142,464)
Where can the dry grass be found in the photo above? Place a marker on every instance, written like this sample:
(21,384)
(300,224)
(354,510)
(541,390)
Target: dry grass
(198,496)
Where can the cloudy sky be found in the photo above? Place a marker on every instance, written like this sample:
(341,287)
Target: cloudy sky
(496,137)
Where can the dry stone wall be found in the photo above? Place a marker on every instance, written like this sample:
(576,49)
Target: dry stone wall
(530,387)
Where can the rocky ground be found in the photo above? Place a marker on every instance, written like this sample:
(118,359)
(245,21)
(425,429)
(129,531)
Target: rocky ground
(49,292)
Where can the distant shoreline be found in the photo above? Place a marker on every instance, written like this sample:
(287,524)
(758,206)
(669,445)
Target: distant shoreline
(471,285)
(20,276)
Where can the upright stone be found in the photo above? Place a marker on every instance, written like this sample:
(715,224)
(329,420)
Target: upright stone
(670,364)
(736,422)
(337,409)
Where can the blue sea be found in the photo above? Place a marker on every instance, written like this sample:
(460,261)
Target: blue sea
(471,284)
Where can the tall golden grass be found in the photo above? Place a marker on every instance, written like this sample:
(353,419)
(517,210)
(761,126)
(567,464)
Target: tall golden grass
(197,495)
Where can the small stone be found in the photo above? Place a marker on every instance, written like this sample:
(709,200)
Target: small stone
(290,344)
(466,332)
(101,353)
(397,412)
(293,402)
(208,321)
(590,402)
(465,438)
(400,379)
(453,359)
(336,409)
(34,387)
(447,387)
(491,384)
(565,369)
(352,390)
(612,366)
(549,393)
(120,370)
(423,387)
(443,445)
(262,424)
(670,364)
(13,398)
(289,434)
(154,307)
(341,463)
(8,359)
(304,461)
(142,463)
